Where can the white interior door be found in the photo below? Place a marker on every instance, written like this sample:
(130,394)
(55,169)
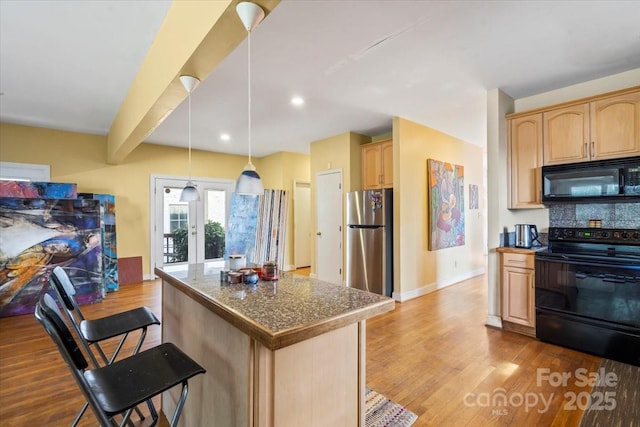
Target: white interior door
(188,232)
(302,223)
(329,226)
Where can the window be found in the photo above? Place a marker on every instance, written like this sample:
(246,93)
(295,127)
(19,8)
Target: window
(178,217)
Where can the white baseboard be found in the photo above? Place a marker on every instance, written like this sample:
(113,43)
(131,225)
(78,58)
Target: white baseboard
(493,320)
(149,277)
(405,296)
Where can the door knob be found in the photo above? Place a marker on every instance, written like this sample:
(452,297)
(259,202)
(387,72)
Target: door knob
(318,234)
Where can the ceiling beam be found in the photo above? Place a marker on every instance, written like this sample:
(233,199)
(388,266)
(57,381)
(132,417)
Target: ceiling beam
(193,39)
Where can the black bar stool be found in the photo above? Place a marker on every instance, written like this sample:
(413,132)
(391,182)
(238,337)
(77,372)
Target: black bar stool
(119,387)
(92,332)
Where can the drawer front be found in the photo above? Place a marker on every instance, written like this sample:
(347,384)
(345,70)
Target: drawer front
(518,260)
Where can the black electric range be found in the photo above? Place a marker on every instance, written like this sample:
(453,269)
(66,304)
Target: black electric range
(587,291)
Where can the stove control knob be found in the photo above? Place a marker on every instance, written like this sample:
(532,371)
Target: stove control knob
(604,234)
(616,234)
(568,233)
(625,235)
(636,235)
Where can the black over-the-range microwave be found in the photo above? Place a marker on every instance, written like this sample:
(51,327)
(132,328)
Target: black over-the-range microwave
(605,180)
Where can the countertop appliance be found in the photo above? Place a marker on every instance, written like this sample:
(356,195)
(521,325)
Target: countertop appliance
(526,234)
(369,258)
(587,291)
(605,180)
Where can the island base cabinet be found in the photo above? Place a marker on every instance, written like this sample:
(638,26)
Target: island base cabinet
(319,381)
(311,383)
(221,396)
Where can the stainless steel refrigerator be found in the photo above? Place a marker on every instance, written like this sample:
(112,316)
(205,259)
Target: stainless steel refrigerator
(370,240)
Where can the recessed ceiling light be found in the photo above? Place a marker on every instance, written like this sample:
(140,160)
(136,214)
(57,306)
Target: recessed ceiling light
(297,101)
(225,137)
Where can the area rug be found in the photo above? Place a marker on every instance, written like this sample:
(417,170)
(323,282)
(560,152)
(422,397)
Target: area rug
(381,412)
(615,405)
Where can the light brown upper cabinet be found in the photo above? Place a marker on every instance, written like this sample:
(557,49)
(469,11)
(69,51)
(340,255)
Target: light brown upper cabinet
(605,128)
(377,165)
(615,126)
(525,161)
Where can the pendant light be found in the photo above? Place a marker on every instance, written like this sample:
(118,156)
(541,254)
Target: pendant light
(189,192)
(249,181)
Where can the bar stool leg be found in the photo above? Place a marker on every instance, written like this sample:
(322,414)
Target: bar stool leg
(178,411)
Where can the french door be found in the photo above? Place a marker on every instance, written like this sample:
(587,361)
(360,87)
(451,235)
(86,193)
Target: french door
(188,232)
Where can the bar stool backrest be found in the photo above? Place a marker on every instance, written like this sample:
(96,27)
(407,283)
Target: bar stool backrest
(64,290)
(48,315)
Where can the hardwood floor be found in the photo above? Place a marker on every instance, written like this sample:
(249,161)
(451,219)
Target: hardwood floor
(435,356)
(432,354)
(303,271)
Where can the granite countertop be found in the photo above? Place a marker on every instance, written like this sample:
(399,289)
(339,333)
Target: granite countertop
(278,313)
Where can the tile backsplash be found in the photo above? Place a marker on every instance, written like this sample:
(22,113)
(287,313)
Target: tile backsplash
(612,215)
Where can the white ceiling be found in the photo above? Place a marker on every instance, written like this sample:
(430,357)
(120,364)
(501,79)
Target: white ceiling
(68,65)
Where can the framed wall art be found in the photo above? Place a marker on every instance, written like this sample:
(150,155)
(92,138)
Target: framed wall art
(446,204)
(474,197)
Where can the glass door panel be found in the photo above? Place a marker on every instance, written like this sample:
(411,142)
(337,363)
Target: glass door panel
(177,228)
(214,211)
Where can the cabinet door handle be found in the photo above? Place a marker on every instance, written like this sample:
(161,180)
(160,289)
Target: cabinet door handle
(584,150)
(593,149)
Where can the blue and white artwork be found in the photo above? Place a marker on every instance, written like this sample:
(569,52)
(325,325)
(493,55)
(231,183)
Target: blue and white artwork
(242,226)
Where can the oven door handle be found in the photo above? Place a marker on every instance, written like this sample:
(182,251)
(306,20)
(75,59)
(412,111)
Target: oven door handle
(591,262)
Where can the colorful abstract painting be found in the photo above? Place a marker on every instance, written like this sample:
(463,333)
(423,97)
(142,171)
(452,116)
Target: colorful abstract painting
(242,226)
(38,190)
(37,235)
(474,197)
(446,204)
(108,235)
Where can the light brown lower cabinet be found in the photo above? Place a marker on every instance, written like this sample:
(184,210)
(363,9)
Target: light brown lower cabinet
(518,290)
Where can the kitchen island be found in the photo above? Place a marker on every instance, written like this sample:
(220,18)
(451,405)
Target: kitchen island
(284,353)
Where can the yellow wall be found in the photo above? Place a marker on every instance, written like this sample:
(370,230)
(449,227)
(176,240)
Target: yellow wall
(418,270)
(81,158)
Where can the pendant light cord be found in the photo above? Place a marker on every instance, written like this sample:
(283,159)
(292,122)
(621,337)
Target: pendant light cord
(249,90)
(189,101)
